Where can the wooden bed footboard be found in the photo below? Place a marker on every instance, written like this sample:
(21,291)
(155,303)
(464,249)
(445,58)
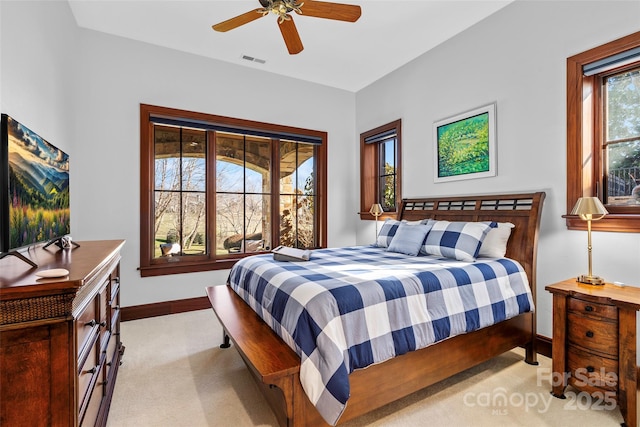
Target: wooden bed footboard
(276,367)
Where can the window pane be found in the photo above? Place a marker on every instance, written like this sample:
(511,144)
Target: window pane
(305,169)
(167,158)
(623,178)
(387,175)
(166,237)
(258,165)
(257,208)
(306,222)
(388,194)
(388,156)
(229,223)
(229,162)
(288,166)
(194,160)
(288,235)
(194,215)
(623,105)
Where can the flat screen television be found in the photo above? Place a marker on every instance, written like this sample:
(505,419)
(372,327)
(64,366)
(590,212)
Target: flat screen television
(34,189)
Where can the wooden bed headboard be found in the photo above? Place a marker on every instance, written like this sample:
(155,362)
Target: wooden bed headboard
(523,210)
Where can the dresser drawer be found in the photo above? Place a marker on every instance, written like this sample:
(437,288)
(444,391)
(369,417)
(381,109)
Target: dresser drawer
(88,375)
(94,400)
(590,372)
(86,326)
(105,315)
(589,308)
(114,304)
(593,334)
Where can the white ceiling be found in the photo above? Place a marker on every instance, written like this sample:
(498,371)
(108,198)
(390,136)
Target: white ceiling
(339,54)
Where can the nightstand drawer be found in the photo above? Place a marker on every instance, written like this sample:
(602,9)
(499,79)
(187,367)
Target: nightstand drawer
(592,309)
(590,372)
(592,334)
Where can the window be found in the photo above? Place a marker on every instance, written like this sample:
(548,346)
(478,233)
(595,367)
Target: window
(215,189)
(603,132)
(380,169)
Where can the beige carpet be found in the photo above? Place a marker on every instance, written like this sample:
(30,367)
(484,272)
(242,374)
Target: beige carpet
(174,374)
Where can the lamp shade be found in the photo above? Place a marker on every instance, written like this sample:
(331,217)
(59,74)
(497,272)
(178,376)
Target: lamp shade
(589,208)
(376,210)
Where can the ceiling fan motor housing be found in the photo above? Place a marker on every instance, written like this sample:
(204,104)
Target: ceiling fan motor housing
(275,5)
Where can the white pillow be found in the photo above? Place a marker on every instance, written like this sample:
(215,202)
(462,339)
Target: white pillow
(494,244)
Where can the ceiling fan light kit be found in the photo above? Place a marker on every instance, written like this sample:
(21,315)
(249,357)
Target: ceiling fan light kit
(283,9)
(280,8)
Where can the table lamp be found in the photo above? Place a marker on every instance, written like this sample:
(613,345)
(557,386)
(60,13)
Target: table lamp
(589,209)
(376,211)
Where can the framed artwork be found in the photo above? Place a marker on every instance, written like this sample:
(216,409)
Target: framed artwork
(465,145)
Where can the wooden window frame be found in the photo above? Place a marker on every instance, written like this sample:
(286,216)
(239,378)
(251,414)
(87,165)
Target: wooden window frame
(584,135)
(369,167)
(150,266)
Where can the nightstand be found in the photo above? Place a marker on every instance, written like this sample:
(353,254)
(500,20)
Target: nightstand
(594,342)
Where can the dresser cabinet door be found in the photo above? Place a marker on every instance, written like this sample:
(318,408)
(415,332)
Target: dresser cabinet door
(35,362)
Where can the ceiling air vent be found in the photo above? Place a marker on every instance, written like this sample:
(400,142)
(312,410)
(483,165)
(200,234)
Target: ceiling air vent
(252,59)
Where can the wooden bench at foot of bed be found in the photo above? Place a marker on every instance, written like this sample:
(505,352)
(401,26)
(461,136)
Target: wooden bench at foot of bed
(276,368)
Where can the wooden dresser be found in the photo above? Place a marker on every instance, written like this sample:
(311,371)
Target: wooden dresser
(60,345)
(594,344)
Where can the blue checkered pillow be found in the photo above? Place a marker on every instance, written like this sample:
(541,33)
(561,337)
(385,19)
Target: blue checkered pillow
(389,228)
(458,240)
(409,238)
(387,231)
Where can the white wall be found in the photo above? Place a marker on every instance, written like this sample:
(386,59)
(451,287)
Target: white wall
(37,56)
(516,58)
(110,77)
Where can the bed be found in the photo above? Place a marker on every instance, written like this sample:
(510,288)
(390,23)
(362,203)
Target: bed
(277,368)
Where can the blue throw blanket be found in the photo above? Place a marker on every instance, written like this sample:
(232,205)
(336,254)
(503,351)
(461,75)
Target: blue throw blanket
(348,308)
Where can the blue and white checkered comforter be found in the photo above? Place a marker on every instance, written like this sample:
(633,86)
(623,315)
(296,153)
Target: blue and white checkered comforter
(348,308)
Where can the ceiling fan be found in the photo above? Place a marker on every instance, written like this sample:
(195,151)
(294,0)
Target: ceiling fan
(283,8)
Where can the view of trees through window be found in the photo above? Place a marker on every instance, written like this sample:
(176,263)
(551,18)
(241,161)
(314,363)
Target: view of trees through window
(622,137)
(387,173)
(180,191)
(244,200)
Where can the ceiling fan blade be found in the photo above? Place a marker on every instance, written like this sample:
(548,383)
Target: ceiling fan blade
(291,36)
(328,10)
(237,21)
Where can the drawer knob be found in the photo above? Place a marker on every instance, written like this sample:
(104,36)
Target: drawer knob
(92,323)
(103,324)
(590,369)
(588,308)
(589,334)
(92,370)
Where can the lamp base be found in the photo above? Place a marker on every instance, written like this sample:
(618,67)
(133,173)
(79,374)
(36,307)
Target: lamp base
(590,280)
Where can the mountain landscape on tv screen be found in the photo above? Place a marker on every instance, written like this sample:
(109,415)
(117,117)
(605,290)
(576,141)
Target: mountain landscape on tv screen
(38,188)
